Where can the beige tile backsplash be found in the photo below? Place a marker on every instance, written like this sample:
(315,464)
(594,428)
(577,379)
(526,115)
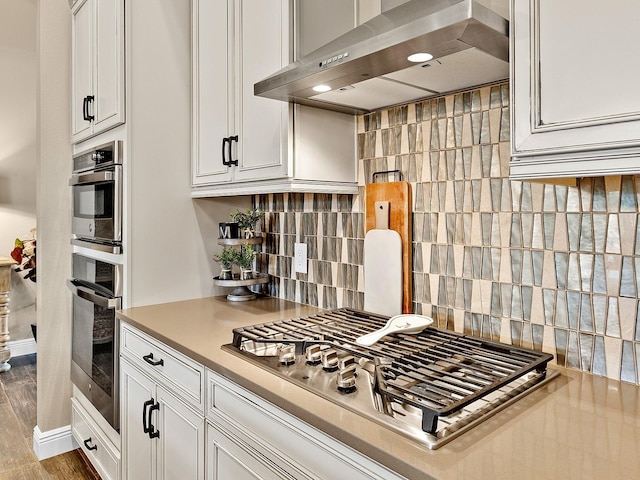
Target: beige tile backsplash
(550,267)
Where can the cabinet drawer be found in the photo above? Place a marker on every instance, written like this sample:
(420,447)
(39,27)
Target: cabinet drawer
(97,448)
(177,372)
(292,440)
(231,455)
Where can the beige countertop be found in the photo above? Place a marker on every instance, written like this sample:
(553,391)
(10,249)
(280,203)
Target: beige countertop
(578,427)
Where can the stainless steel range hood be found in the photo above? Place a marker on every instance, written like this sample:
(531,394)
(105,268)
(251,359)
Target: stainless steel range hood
(367,68)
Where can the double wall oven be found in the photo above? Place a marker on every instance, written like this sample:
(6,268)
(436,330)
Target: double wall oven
(96,284)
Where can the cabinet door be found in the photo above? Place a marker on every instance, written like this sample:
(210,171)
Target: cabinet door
(108,107)
(212,102)
(81,67)
(97,67)
(228,457)
(138,455)
(576,102)
(181,441)
(262,47)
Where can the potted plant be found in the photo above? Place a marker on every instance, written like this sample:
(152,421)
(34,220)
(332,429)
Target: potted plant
(247,220)
(245,261)
(227,258)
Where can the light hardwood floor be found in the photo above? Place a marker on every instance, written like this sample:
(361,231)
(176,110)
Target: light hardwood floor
(17,420)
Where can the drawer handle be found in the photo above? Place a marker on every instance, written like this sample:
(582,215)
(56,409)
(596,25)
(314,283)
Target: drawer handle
(149,359)
(87,444)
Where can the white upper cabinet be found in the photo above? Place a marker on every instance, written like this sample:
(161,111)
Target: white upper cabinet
(97,67)
(575,106)
(243,144)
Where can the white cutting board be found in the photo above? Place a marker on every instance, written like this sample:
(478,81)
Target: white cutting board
(383,267)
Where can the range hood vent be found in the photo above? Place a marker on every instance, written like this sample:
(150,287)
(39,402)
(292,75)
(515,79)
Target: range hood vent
(367,68)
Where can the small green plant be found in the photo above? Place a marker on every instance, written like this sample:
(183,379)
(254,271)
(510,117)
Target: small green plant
(247,219)
(245,257)
(228,257)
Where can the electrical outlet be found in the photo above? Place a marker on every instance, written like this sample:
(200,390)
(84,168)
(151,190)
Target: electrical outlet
(300,261)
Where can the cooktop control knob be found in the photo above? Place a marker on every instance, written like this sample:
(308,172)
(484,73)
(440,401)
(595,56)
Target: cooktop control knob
(329,360)
(346,379)
(346,362)
(313,354)
(287,354)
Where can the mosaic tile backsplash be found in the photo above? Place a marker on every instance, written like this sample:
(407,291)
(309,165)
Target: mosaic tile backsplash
(545,266)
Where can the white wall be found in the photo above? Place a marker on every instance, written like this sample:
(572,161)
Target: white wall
(170,238)
(54,219)
(18,64)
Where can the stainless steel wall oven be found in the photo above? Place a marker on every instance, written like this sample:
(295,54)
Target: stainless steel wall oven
(97,294)
(97,198)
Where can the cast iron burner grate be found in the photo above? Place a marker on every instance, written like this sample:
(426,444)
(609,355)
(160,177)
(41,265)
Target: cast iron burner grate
(439,372)
(448,371)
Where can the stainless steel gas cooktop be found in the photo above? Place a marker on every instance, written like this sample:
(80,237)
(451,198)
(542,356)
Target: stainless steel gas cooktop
(431,387)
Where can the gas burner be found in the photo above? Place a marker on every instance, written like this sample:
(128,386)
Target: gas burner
(431,386)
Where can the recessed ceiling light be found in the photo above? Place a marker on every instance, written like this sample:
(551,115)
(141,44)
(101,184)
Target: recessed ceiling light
(321,88)
(420,57)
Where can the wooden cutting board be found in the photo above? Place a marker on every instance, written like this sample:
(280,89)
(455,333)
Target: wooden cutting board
(398,194)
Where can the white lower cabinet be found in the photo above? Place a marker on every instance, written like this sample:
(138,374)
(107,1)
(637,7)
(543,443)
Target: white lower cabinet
(103,455)
(172,427)
(248,438)
(162,432)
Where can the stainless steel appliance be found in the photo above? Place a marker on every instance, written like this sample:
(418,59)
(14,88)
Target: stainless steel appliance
(368,68)
(97,198)
(431,387)
(97,294)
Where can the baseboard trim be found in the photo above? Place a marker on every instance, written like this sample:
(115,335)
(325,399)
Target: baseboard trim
(19,348)
(53,442)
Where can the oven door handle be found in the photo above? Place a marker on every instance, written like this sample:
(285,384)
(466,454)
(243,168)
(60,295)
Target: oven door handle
(94,297)
(90,178)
